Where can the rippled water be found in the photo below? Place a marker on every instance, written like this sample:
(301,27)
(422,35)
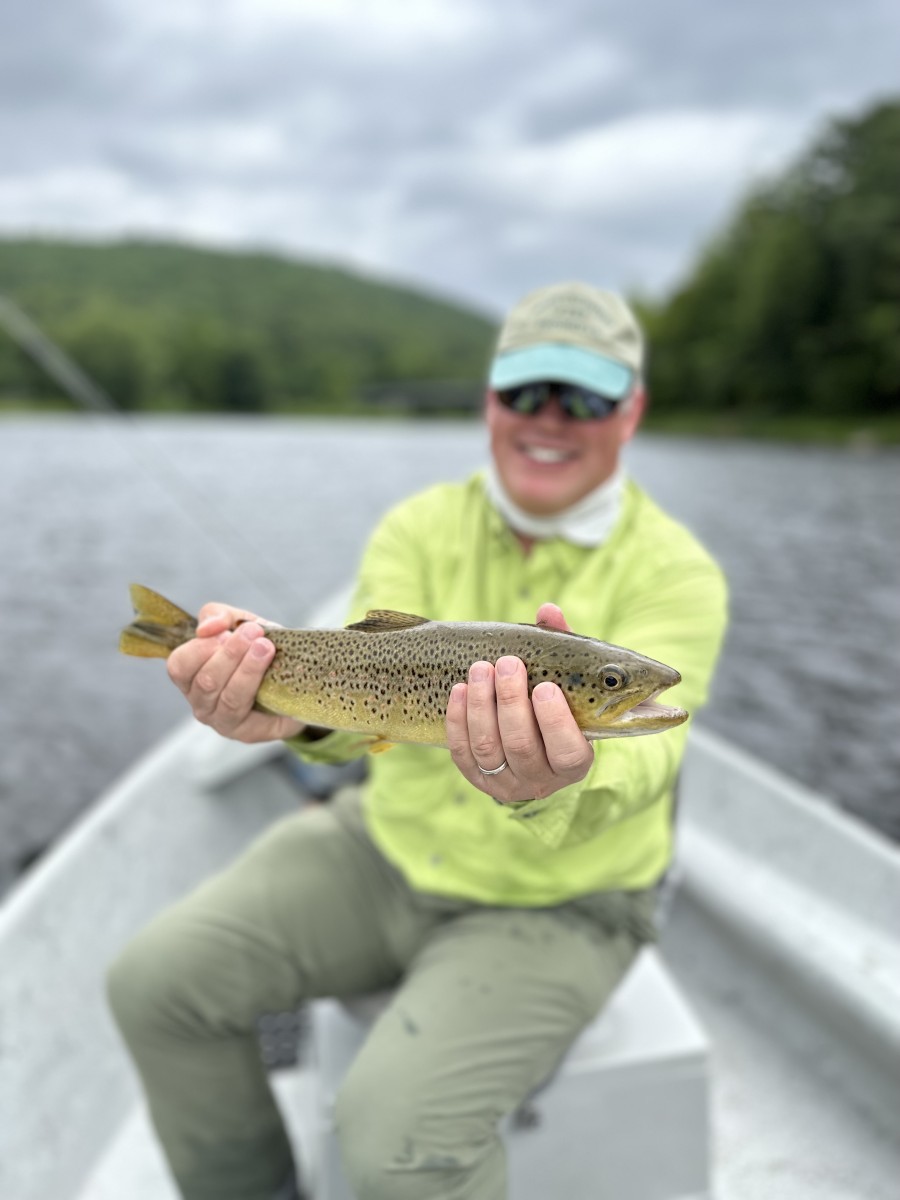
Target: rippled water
(274,515)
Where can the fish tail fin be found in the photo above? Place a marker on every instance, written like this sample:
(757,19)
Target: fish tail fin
(158,628)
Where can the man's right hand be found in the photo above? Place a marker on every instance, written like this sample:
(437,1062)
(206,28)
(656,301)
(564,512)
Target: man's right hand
(220,671)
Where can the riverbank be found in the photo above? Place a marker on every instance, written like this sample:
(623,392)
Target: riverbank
(854,432)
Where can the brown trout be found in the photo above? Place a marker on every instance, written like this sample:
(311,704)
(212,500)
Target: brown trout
(390,675)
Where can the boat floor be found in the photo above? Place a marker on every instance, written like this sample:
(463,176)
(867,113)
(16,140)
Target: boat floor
(796,1114)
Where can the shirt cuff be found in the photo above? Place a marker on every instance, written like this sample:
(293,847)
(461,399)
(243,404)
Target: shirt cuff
(548,820)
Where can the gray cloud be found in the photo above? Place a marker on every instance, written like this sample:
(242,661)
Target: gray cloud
(474,152)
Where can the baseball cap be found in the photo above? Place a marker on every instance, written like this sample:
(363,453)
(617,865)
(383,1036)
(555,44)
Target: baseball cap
(570,333)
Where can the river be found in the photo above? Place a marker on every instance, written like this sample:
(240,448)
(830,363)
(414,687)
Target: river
(274,514)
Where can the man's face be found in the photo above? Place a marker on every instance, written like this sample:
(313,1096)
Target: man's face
(548,462)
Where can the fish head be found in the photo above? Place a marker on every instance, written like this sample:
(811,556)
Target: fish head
(616,695)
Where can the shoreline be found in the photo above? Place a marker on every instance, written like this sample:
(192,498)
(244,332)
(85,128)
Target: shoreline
(854,433)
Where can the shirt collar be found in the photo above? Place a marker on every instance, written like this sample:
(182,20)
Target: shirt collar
(587,523)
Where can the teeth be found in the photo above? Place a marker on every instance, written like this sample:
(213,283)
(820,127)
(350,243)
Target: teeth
(543,454)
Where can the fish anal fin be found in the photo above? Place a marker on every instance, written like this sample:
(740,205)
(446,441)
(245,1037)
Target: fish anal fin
(386,620)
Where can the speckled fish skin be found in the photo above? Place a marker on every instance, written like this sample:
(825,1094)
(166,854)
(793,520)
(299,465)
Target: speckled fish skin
(390,675)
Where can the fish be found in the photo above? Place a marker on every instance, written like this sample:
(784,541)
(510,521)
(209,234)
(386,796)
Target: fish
(389,675)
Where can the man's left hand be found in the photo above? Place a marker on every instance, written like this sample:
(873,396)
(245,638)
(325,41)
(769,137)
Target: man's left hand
(492,720)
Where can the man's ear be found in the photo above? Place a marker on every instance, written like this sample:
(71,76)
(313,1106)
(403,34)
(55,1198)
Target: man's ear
(633,413)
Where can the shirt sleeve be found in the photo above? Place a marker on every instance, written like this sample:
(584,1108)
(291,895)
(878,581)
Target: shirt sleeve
(678,618)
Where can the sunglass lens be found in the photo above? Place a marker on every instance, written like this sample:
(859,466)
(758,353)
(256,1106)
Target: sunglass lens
(578,403)
(585,405)
(527,399)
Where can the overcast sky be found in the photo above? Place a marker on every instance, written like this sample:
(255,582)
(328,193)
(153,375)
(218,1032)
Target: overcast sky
(478,149)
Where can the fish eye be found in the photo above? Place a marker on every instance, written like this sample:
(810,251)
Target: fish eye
(612,677)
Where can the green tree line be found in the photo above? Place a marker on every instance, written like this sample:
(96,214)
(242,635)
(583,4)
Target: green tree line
(164,326)
(795,309)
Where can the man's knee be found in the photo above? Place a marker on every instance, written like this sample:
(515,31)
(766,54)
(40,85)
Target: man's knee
(396,1146)
(145,981)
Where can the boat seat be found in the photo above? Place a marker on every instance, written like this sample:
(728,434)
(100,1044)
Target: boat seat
(625,1115)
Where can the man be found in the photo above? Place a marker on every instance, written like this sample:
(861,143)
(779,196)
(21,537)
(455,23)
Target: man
(504,888)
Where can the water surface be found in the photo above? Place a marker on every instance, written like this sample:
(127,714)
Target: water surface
(274,515)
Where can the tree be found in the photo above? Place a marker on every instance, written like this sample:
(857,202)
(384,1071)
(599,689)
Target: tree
(108,344)
(796,308)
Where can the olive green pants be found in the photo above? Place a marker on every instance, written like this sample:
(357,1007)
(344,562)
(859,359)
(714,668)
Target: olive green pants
(487,1002)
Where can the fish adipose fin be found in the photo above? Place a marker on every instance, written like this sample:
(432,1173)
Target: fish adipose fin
(158,628)
(385,620)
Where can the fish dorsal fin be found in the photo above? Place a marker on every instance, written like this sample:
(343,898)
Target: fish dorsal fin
(386,620)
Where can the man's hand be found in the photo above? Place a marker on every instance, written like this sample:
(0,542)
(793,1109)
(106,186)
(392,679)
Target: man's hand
(220,670)
(491,720)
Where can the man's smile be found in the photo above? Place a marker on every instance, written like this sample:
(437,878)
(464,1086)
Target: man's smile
(546,455)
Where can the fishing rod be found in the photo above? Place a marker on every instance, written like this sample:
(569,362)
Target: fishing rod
(98,404)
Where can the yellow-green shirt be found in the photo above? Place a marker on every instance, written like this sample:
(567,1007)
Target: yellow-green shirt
(447,554)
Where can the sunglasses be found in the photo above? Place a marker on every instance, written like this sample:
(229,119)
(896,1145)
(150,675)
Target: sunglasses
(579,403)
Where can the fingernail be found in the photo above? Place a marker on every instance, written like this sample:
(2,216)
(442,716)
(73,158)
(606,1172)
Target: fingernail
(250,631)
(544,692)
(507,666)
(260,648)
(207,621)
(478,672)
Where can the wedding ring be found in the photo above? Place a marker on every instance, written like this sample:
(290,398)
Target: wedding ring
(496,770)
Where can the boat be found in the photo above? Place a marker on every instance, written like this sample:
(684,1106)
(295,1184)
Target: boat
(778,967)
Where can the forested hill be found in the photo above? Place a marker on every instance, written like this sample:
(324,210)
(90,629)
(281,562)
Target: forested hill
(170,326)
(791,316)
(794,311)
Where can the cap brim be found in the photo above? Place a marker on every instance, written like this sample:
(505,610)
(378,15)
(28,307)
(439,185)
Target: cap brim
(558,363)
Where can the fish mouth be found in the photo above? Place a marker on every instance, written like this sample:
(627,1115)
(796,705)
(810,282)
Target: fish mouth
(646,716)
(651,710)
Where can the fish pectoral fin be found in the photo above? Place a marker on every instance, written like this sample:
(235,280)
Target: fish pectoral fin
(385,620)
(379,745)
